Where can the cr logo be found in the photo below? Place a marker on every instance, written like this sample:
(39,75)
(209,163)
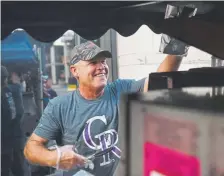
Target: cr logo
(104,139)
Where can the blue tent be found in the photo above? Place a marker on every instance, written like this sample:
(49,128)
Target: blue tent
(17,48)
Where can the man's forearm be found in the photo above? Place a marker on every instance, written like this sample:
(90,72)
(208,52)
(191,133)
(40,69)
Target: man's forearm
(170,63)
(37,153)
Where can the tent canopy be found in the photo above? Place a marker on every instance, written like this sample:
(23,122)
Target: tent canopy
(17,48)
(47,20)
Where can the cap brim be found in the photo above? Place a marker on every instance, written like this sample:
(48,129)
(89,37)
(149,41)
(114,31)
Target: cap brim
(101,54)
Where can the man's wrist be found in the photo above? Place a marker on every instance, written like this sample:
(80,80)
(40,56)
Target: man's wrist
(53,156)
(179,57)
(58,157)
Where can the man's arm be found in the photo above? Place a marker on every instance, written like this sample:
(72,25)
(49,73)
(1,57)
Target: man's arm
(170,63)
(48,128)
(36,152)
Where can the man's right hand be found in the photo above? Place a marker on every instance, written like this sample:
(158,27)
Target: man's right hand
(36,152)
(69,159)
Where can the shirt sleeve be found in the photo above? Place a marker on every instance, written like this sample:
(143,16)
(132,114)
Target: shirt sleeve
(49,124)
(130,85)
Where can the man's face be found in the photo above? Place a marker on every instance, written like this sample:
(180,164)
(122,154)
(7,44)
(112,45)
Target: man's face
(49,83)
(15,78)
(92,74)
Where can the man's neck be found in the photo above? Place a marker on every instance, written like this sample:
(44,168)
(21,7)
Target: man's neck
(90,93)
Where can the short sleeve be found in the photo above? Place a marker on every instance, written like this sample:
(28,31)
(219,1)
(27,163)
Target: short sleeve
(49,124)
(130,85)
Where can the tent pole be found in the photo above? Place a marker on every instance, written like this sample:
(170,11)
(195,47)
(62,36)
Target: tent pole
(53,66)
(40,102)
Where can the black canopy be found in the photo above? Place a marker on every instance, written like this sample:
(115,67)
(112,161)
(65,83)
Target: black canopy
(47,20)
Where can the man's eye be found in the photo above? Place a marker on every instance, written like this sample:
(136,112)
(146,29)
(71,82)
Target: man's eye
(94,62)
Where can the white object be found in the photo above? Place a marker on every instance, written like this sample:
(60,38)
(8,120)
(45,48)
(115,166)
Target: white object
(154,173)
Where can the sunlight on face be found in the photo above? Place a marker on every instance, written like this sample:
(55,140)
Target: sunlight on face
(93,74)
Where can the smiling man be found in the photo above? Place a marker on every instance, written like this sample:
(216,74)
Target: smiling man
(86,117)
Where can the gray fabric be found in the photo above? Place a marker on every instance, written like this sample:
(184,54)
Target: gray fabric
(88,123)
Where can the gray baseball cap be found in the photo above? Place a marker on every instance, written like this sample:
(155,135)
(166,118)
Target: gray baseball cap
(87,51)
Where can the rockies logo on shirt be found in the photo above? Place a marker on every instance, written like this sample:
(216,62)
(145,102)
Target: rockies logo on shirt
(106,139)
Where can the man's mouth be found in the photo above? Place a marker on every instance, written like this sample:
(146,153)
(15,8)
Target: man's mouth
(100,75)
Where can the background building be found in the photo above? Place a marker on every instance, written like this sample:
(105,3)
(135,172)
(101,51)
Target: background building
(137,59)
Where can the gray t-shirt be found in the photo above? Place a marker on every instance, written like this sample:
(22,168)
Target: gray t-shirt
(90,124)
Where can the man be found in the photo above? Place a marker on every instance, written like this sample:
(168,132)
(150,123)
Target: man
(49,93)
(49,88)
(20,167)
(8,113)
(87,117)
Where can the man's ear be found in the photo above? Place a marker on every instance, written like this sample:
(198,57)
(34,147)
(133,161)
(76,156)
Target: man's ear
(74,71)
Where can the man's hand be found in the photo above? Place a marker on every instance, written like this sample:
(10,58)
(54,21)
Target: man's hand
(69,159)
(36,153)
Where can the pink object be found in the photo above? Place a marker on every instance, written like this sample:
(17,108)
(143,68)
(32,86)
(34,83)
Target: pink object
(167,162)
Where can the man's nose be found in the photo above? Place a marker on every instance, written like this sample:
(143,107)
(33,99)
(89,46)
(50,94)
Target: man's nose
(100,65)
